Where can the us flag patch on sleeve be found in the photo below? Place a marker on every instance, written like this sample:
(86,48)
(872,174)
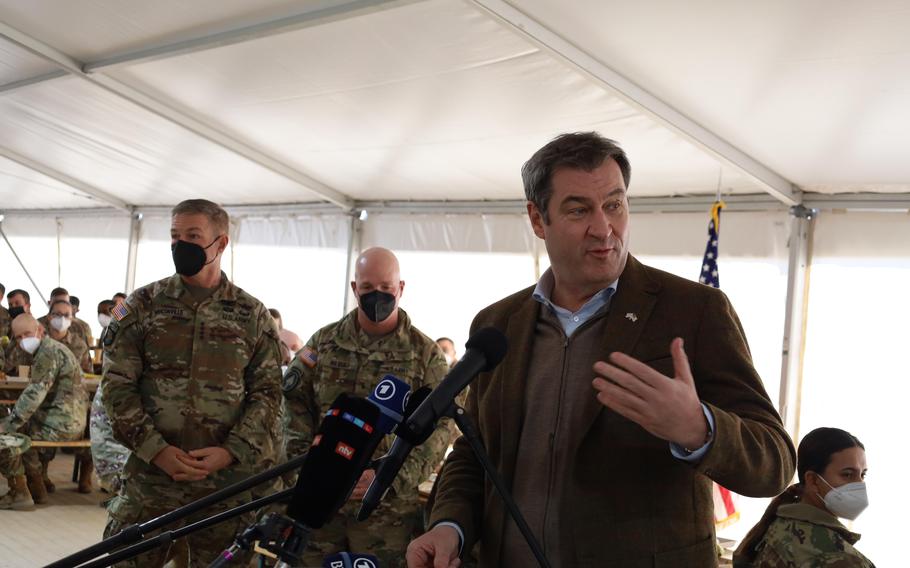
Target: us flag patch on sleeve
(308,357)
(119,311)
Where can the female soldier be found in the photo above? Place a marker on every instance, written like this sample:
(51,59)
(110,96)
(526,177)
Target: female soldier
(800,526)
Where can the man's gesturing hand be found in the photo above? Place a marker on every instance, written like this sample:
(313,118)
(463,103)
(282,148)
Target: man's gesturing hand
(667,407)
(437,548)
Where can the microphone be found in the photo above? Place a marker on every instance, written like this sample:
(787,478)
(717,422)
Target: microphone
(391,395)
(483,351)
(348,560)
(341,450)
(391,463)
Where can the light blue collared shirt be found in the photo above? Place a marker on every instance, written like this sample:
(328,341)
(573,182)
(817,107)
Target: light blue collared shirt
(572,320)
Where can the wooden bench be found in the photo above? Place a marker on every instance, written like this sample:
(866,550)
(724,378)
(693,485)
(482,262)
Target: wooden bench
(72,444)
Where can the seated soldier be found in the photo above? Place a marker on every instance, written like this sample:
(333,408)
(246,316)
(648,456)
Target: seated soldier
(4,316)
(61,327)
(52,407)
(83,325)
(800,527)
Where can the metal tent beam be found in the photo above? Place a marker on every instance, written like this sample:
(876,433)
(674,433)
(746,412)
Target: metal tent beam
(316,13)
(28,81)
(553,43)
(791,375)
(897,203)
(182,118)
(43,169)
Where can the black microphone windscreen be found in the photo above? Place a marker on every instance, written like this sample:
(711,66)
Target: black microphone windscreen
(415,399)
(340,451)
(492,343)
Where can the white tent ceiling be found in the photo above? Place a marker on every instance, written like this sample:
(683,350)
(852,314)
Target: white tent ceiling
(127,103)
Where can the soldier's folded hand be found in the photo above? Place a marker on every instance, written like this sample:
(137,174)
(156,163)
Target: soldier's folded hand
(211,459)
(180,465)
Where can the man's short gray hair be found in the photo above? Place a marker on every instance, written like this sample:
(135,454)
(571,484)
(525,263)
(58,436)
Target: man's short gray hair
(576,150)
(217,216)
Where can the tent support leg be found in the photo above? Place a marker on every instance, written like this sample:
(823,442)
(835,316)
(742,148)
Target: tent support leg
(355,242)
(791,377)
(132,254)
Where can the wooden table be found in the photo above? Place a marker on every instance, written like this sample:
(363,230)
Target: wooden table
(18,383)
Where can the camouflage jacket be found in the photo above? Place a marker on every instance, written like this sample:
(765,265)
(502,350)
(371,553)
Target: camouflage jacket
(77,344)
(341,358)
(5,322)
(805,536)
(54,401)
(85,330)
(194,374)
(15,356)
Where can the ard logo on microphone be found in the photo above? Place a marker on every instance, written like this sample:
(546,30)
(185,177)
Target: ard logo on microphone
(344,450)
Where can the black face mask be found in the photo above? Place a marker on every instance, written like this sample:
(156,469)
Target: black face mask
(16,311)
(189,258)
(377,306)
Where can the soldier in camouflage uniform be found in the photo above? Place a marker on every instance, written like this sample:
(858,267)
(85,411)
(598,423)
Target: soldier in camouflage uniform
(806,536)
(52,407)
(5,321)
(351,356)
(59,325)
(108,456)
(19,303)
(83,326)
(800,528)
(192,386)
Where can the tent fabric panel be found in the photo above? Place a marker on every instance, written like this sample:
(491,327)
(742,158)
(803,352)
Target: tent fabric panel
(814,90)
(452,233)
(862,235)
(115,146)
(449,110)
(24,188)
(100,28)
(17,63)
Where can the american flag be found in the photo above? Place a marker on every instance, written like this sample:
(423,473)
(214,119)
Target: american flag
(725,512)
(709,274)
(119,311)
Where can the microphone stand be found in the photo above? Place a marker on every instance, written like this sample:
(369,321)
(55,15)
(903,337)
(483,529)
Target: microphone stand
(168,537)
(135,533)
(466,425)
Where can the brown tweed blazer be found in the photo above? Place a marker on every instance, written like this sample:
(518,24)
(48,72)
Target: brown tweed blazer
(630,503)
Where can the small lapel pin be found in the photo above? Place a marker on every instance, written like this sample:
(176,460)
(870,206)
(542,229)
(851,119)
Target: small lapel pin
(632,317)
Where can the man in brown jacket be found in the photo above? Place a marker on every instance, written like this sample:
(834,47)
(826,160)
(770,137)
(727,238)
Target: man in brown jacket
(625,392)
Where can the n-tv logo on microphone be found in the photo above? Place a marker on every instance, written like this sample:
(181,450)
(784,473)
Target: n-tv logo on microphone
(344,450)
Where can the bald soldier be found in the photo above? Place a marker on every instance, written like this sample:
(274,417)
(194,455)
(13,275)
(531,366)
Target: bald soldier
(192,387)
(52,407)
(351,356)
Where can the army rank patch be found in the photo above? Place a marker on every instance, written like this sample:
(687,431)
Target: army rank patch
(308,357)
(119,311)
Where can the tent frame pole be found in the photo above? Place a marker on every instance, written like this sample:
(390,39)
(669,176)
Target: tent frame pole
(133,252)
(355,244)
(794,340)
